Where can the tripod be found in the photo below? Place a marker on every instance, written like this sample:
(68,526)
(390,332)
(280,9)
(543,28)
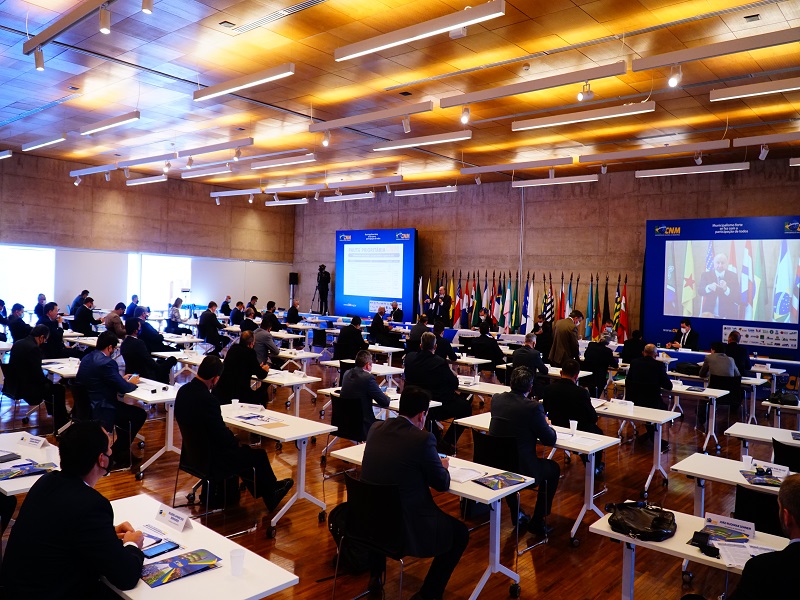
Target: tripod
(314,297)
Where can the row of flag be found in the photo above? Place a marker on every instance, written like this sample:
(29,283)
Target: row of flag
(515,309)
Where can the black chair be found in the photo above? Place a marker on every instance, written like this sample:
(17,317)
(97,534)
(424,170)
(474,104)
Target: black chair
(348,418)
(502,453)
(367,523)
(760,508)
(13,390)
(787,455)
(81,408)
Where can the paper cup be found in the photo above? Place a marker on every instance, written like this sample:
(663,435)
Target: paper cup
(477,379)
(768,365)
(237,562)
(747,460)
(573,426)
(758,374)
(235,401)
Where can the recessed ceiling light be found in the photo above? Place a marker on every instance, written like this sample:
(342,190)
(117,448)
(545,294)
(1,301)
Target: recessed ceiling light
(752,18)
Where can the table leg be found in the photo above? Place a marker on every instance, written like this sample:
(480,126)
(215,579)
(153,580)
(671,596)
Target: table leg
(776,417)
(752,417)
(699,497)
(656,457)
(712,423)
(301,492)
(494,552)
(588,495)
(744,451)
(628,570)
(168,439)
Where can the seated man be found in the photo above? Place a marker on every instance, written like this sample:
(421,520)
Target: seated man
(599,358)
(608,329)
(293,314)
(84,321)
(266,348)
(30,382)
(78,302)
(3,320)
(530,358)
(400,452)
(686,337)
(16,323)
(131,310)
(225,307)
(208,327)
(432,373)
(248,324)
(254,305)
(420,327)
(241,365)
(515,415)
(198,414)
(737,352)
(148,334)
(381,333)
(646,378)
(443,346)
(54,346)
(485,346)
(718,363)
(99,374)
(69,525)
(238,313)
(270,314)
(485,316)
(138,360)
(113,320)
(632,348)
(359,384)
(38,310)
(349,343)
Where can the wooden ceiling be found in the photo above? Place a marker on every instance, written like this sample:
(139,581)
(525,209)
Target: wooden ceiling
(153,63)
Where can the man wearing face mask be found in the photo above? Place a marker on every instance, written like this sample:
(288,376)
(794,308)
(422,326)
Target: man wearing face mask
(718,288)
(608,331)
(686,337)
(544,335)
(565,339)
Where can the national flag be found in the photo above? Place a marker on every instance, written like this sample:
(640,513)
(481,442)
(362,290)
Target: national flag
(589,307)
(527,302)
(507,314)
(477,302)
(515,307)
(497,302)
(456,307)
(748,284)
(562,299)
(622,329)
(782,295)
(575,294)
(596,324)
(617,306)
(606,309)
(796,295)
(710,256)
(689,292)
(438,285)
(451,293)
(671,298)
(466,305)
(570,304)
(419,297)
(549,307)
(427,298)
(487,301)
(761,311)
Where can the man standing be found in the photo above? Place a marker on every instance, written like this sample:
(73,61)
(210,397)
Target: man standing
(719,288)
(38,310)
(67,525)
(442,308)
(199,417)
(738,352)
(400,452)
(515,415)
(138,359)
(241,365)
(129,312)
(293,314)
(78,302)
(30,382)
(99,374)
(208,327)
(686,337)
(396,316)
(225,309)
(544,335)
(323,283)
(565,339)
(432,373)
(16,323)
(359,385)
(84,321)
(646,378)
(113,320)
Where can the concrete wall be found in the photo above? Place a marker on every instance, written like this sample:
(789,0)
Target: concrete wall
(583,229)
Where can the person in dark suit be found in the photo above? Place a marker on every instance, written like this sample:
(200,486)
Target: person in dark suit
(38,310)
(359,384)
(99,374)
(293,314)
(485,316)
(772,575)
(84,320)
(420,327)
(129,312)
(30,382)
(529,357)
(515,415)
(718,363)
(208,327)
(54,346)
(565,339)
(67,525)
(248,324)
(3,320)
(199,417)
(441,306)
(78,302)
(396,315)
(686,337)
(241,365)
(349,343)
(485,346)
(644,382)
(16,323)
(270,314)
(138,359)
(254,305)
(225,307)
(323,285)
(719,289)
(381,333)
(737,352)
(544,335)
(443,346)
(148,334)
(432,373)
(266,348)
(632,348)
(400,452)
(599,358)
(238,313)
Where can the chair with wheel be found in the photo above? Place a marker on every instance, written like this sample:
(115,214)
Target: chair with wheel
(733,399)
(759,508)
(348,418)
(787,455)
(13,390)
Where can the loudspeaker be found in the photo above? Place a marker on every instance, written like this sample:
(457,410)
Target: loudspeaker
(294,279)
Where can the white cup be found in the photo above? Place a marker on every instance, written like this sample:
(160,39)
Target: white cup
(237,562)
(758,374)
(477,379)
(767,365)
(747,460)
(235,401)
(573,426)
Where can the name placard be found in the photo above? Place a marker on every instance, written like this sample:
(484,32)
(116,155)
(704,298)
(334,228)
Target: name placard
(26,440)
(173,518)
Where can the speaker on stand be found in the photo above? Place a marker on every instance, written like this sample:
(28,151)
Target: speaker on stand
(294,280)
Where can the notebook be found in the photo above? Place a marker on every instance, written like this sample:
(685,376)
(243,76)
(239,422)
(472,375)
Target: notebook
(183,565)
(501,480)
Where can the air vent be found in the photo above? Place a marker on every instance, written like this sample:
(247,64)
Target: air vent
(39,109)
(227,24)
(277,15)
(752,18)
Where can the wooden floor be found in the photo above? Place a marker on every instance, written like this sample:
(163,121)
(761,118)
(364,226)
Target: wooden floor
(556,570)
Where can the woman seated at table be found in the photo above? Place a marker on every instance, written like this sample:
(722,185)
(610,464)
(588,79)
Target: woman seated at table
(175,319)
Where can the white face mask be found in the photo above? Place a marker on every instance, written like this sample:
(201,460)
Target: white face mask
(684,330)
(608,329)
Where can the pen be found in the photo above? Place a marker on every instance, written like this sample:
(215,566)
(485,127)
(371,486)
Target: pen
(156,529)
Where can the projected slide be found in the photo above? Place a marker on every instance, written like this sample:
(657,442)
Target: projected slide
(373,268)
(748,280)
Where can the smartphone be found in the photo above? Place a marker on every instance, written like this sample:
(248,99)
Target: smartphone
(160,549)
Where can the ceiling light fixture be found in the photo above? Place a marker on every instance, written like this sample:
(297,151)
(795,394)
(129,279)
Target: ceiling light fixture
(794,162)
(240,83)
(167,167)
(77,181)
(586,92)
(109,123)
(756,89)
(378,115)
(326,139)
(365,182)
(242,142)
(250,198)
(604,168)
(775,138)
(105,20)
(555,181)
(447,189)
(675,75)
(388,189)
(698,158)
(338,192)
(189,162)
(477,179)
(146,180)
(284,162)
(315,187)
(287,202)
(447,23)
(5,154)
(127,172)
(344,197)
(275,197)
(316,195)
(465,115)
(44,142)
(535,85)
(216,200)
(441,138)
(82,11)
(692,170)
(521,166)
(108,175)
(406,124)
(38,59)
(764,151)
(147,7)
(238,154)
(93,170)
(666,149)
(146,160)
(229,193)
(221,170)
(596,114)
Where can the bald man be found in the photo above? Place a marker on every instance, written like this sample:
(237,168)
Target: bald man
(719,288)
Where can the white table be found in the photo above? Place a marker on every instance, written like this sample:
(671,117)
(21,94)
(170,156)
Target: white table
(386,371)
(769,371)
(260,577)
(471,491)
(152,392)
(22,485)
(188,358)
(481,389)
(472,362)
(676,546)
(282,335)
(747,432)
(66,368)
(88,341)
(295,380)
(388,350)
(586,443)
(176,338)
(292,429)
(747,382)
(777,408)
(298,358)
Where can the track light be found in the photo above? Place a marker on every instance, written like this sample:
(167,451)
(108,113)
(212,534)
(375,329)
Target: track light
(189,162)
(238,154)
(275,197)
(586,93)
(127,172)
(465,115)
(217,201)
(108,175)
(44,142)
(326,139)
(105,20)
(251,198)
(316,195)
(698,158)
(147,7)
(105,124)
(338,192)
(604,168)
(388,189)
(167,167)
(764,151)
(406,124)
(77,181)
(675,76)
(38,58)
(477,179)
